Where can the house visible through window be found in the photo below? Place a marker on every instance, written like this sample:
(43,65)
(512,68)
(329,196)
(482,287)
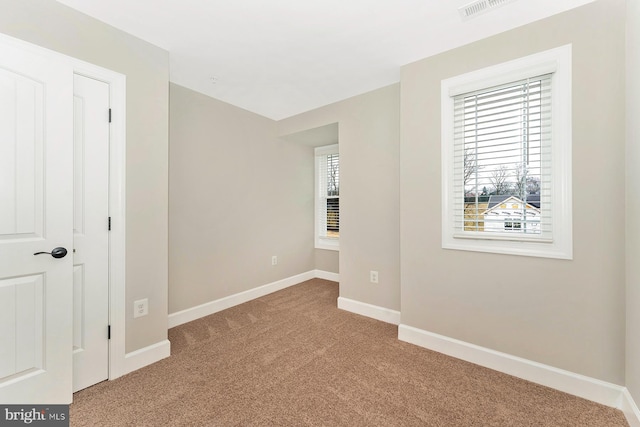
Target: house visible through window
(507,157)
(327,197)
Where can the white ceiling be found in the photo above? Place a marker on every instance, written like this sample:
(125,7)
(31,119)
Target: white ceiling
(279,58)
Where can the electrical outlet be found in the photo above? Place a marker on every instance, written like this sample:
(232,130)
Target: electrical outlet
(141,307)
(274,260)
(373,276)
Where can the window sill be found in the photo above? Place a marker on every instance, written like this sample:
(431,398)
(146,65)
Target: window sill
(542,249)
(328,244)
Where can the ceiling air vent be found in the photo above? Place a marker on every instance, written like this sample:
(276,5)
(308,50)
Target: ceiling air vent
(475,8)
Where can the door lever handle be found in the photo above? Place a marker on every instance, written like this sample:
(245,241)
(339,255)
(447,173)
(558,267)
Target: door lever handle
(56,252)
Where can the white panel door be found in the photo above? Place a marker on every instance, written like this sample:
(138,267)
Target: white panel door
(36,214)
(90,232)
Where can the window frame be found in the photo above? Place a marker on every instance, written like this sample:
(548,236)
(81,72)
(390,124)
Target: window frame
(323,242)
(558,62)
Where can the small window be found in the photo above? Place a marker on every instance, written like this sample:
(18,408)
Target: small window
(506,157)
(327,203)
(512,226)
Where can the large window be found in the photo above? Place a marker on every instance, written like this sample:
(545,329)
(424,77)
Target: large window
(327,203)
(506,144)
(502,140)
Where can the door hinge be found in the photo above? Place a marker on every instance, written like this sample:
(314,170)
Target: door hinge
(108,332)
(109,223)
(109,115)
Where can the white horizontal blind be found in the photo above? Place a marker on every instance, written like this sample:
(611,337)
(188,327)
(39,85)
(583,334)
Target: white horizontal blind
(502,161)
(328,215)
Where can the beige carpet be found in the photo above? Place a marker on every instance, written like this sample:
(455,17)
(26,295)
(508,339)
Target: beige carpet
(293,359)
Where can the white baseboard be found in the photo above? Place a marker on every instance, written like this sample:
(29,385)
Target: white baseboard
(630,409)
(146,356)
(211,307)
(375,312)
(327,275)
(569,382)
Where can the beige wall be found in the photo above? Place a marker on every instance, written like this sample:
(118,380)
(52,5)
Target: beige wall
(568,314)
(238,195)
(50,24)
(369,200)
(327,260)
(633,199)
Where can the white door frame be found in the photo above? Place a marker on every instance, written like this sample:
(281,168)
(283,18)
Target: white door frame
(117,193)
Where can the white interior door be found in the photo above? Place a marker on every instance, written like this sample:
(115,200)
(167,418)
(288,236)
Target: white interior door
(36,215)
(90,232)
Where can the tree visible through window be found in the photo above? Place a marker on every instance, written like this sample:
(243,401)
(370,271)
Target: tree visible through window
(333,196)
(327,197)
